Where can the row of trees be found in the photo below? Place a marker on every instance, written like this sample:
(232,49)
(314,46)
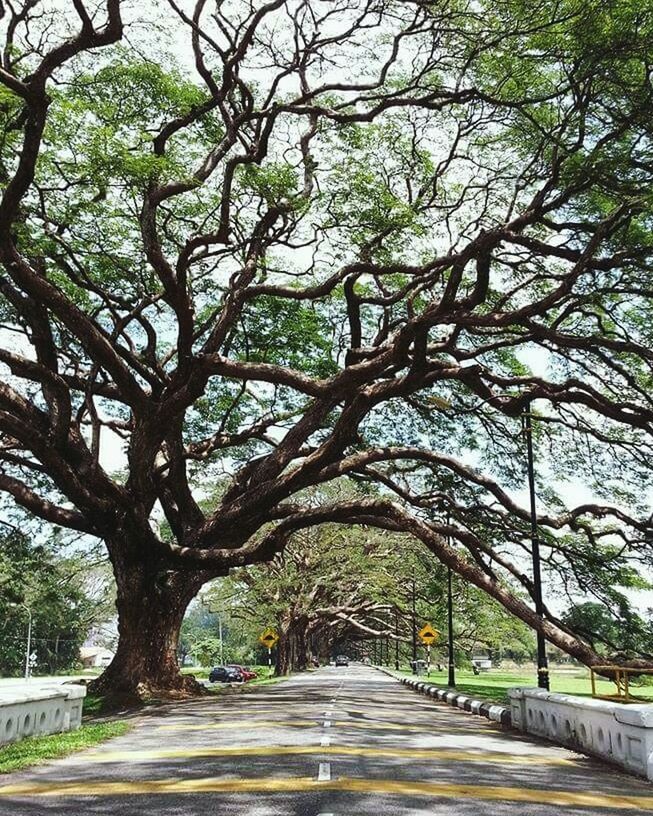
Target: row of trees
(335,588)
(276,245)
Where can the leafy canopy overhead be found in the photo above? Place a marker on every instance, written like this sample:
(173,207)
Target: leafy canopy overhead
(282,244)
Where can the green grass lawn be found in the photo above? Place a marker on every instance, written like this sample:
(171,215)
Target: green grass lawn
(33,750)
(494,685)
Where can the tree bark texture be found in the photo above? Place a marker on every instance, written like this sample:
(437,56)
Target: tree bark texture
(151,605)
(292,650)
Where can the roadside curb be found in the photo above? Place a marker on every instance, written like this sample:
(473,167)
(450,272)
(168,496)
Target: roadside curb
(482,708)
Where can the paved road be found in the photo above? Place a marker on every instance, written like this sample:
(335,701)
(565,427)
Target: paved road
(337,741)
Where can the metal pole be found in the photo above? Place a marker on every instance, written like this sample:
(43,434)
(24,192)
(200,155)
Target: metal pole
(396,640)
(542,664)
(29,642)
(221,645)
(414,629)
(452,660)
(269,662)
(450,646)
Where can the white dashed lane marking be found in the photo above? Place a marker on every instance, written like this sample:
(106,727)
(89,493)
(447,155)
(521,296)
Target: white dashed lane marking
(324,772)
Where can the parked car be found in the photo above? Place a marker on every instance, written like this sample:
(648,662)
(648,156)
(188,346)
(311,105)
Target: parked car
(225,674)
(342,660)
(246,673)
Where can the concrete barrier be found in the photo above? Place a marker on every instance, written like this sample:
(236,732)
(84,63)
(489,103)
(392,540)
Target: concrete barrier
(621,734)
(27,712)
(500,714)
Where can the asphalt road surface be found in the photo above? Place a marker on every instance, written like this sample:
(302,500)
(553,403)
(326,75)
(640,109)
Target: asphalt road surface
(348,741)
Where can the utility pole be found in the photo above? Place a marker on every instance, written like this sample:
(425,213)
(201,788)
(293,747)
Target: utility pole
(28,648)
(396,639)
(213,611)
(414,629)
(451,659)
(542,663)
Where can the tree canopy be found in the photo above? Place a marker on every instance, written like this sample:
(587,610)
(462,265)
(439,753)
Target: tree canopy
(266,246)
(339,589)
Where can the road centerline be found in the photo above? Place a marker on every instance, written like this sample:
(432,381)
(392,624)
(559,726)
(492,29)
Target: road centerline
(324,772)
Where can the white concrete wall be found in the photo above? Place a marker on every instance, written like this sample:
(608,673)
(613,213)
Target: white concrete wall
(25,711)
(622,734)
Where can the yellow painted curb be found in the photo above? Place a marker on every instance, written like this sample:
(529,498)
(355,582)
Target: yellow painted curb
(431,754)
(560,798)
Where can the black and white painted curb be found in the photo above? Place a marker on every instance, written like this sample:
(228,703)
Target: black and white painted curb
(498,713)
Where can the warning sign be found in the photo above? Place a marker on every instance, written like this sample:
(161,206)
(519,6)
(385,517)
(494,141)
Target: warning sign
(428,635)
(268,638)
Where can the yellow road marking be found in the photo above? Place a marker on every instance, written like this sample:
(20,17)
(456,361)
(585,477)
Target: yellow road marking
(561,798)
(339,750)
(426,728)
(369,723)
(242,724)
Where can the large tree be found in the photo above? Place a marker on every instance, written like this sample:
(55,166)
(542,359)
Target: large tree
(270,245)
(335,588)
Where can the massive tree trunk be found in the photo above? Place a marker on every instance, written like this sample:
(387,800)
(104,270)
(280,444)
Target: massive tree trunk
(151,604)
(292,650)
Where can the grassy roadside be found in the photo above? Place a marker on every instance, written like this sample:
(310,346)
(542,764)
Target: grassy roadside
(34,750)
(493,686)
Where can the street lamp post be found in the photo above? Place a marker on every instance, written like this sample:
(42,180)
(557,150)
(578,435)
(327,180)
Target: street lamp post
(450,646)
(452,664)
(221,644)
(396,640)
(28,648)
(218,613)
(542,663)
(414,630)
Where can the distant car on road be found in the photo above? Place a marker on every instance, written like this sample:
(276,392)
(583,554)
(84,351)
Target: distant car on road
(247,673)
(342,660)
(225,674)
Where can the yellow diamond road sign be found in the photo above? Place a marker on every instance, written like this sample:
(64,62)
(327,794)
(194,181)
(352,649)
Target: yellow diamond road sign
(428,635)
(268,638)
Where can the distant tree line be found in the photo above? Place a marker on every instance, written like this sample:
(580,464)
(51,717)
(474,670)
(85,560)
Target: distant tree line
(57,586)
